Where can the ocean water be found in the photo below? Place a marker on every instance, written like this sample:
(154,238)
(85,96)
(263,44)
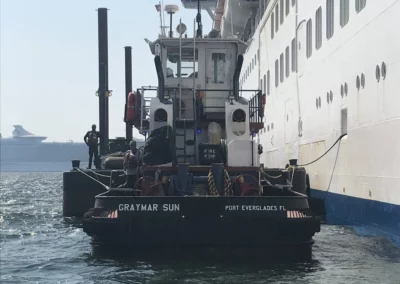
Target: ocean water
(39,246)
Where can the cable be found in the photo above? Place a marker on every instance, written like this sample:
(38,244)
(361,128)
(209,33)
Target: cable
(334,166)
(340,138)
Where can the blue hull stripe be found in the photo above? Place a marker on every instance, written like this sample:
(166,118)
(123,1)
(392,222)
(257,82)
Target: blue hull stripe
(372,217)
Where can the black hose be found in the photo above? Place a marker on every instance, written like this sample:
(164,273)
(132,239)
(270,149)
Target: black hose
(340,138)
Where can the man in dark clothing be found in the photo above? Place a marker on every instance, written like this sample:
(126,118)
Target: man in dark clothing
(92,140)
(131,165)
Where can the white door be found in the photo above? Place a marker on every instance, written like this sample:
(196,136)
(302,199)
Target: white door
(218,71)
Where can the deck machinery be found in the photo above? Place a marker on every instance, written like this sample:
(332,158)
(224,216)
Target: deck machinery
(201,183)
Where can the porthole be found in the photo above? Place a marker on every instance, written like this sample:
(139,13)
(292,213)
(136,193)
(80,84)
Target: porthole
(362,80)
(377,73)
(345,88)
(383,70)
(316,102)
(327,97)
(342,91)
(319,101)
(331,95)
(358,82)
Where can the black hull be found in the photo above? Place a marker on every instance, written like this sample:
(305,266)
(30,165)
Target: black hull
(256,225)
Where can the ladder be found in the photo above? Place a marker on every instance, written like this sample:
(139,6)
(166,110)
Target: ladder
(183,123)
(181,127)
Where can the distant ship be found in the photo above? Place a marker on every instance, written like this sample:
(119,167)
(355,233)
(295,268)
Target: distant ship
(27,152)
(26,147)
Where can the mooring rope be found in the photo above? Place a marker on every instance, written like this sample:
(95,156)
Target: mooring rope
(211,184)
(227,184)
(92,178)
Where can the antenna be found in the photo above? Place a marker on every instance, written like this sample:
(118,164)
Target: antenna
(171,9)
(198,19)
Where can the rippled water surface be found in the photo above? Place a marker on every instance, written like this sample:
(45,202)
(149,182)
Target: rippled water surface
(39,246)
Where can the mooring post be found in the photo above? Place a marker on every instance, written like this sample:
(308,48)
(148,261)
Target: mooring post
(128,87)
(103,90)
(217,170)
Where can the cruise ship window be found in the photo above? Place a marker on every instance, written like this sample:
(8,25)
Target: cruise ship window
(329,18)
(344,12)
(258,55)
(277,18)
(360,4)
(309,38)
(272,25)
(318,28)
(255,59)
(343,121)
(293,2)
(265,84)
(294,49)
(287,62)
(268,82)
(276,73)
(261,86)
(287,7)
(281,15)
(281,67)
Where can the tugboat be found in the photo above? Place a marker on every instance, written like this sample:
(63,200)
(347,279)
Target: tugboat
(201,184)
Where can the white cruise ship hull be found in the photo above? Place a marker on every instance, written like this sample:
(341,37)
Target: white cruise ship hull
(326,73)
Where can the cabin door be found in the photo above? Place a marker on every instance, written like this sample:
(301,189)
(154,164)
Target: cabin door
(218,69)
(301,48)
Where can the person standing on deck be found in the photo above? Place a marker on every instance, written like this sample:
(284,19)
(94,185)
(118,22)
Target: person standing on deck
(131,165)
(91,139)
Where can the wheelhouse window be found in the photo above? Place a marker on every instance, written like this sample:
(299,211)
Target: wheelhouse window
(281,15)
(181,68)
(276,73)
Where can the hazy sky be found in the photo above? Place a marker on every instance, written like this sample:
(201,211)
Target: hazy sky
(49,61)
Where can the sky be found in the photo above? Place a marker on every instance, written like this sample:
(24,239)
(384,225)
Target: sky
(49,62)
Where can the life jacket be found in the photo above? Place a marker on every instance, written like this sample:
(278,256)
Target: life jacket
(131,160)
(92,139)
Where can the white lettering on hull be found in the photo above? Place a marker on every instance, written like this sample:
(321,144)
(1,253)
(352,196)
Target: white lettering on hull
(148,207)
(254,208)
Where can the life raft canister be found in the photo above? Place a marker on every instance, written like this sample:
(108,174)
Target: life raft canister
(131,108)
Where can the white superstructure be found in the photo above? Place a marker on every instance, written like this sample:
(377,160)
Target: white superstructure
(328,67)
